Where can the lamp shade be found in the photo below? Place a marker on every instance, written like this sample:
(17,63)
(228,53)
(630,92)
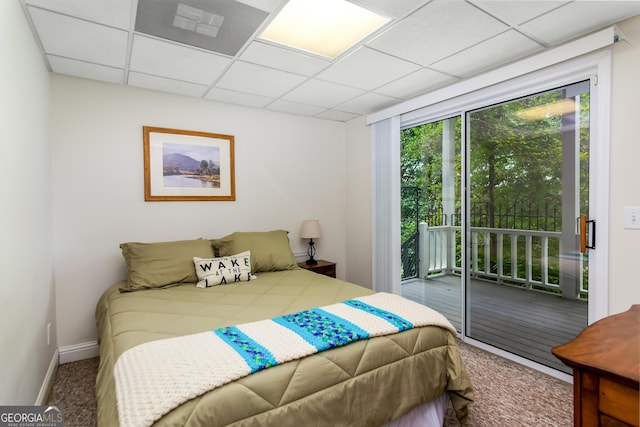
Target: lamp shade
(310,229)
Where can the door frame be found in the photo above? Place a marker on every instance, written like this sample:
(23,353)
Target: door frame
(596,68)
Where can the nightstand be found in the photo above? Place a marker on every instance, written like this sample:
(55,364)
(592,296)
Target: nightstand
(327,268)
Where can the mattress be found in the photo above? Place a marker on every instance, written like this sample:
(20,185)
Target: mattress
(365,383)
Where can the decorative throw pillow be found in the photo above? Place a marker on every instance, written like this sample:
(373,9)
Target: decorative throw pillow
(162,264)
(270,250)
(223,270)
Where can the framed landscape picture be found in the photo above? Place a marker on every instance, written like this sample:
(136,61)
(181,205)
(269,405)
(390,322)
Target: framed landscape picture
(187,165)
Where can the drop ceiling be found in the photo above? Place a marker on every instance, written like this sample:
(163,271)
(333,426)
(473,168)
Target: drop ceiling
(428,44)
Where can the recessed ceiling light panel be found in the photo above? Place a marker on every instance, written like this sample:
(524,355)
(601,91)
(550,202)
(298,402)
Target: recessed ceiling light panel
(324,27)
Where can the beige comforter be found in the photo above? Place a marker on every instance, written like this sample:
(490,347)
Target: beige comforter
(366,383)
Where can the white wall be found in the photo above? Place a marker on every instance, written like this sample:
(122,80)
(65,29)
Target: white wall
(624,289)
(624,254)
(288,168)
(27,302)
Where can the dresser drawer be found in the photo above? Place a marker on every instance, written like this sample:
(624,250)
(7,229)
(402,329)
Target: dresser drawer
(619,401)
(607,421)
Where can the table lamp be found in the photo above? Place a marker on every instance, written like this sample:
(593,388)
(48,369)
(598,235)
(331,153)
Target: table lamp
(310,230)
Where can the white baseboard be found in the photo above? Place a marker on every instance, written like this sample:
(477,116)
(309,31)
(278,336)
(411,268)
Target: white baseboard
(65,354)
(75,352)
(48,380)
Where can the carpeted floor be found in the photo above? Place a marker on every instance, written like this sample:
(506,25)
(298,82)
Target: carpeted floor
(506,394)
(74,390)
(509,394)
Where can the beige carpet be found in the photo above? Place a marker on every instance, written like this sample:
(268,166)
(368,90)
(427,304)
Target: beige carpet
(509,394)
(506,394)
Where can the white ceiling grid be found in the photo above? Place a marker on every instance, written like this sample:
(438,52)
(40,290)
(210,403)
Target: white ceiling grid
(427,45)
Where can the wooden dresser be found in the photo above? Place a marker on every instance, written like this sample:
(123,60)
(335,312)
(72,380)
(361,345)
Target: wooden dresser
(605,359)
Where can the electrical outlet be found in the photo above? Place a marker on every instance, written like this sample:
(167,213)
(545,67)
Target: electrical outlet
(48,334)
(632,217)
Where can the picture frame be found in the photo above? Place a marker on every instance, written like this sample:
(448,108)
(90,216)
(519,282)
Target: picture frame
(184,165)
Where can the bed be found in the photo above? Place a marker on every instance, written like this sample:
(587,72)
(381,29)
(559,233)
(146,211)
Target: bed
(368,382)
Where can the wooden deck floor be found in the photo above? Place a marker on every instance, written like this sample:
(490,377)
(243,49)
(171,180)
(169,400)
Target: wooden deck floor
(525,323)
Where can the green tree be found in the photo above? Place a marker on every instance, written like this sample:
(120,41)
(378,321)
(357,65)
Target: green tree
(515,166)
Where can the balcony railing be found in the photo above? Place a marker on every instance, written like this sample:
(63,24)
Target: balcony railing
(505,256)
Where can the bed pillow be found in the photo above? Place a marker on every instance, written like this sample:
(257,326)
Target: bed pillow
(162,264)
(270,250)
(223,270)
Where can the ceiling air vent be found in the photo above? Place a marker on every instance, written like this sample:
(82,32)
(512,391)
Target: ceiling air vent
(221,26)
(197,20)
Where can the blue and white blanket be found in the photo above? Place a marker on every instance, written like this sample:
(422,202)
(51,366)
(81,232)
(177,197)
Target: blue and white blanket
(155,377)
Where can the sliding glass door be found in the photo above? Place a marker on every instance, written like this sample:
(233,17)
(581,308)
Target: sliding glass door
(494,220)
(528,187)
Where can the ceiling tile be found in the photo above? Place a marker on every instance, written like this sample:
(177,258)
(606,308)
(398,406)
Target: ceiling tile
(394,9)
(295,108)
(579,18)
(283,59)
(323,94)
(258,80)
(339,116)
(85,70)
(116,13)
(368,103)
(380,68)
(165,85)
(266,5)
(499,50)
(428,45)
(416,84)
(233,97)
(516,12)
(165,59)
(98,44)
(437,30)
